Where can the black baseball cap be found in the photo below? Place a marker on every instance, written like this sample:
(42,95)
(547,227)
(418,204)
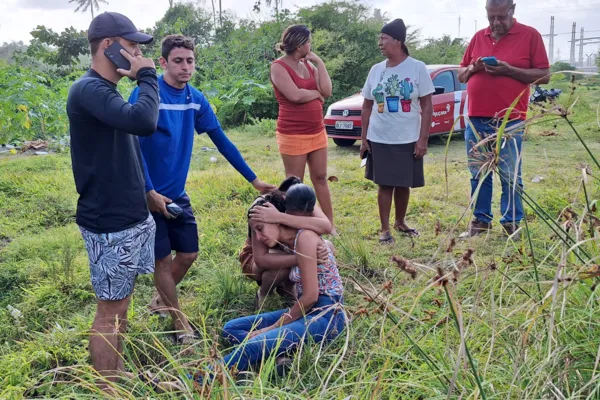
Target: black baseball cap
(112,24)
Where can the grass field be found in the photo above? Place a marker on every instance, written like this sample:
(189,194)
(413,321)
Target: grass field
(521,321)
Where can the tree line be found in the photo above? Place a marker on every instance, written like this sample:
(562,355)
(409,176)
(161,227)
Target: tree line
(234,54)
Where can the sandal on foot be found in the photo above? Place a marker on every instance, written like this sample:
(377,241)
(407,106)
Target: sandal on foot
(408,232)
(160,313)
(386,238)
(186,339)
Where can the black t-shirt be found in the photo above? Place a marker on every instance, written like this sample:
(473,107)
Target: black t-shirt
(105,151)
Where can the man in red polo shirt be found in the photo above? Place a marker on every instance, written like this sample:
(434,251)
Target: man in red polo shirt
(521,61)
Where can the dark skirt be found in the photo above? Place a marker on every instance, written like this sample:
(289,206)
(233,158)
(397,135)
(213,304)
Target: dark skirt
(394,165)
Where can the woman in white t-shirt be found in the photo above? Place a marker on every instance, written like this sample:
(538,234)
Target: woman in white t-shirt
(396,116)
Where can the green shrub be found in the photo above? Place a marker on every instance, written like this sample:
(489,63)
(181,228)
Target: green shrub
(264,127)
(32,106)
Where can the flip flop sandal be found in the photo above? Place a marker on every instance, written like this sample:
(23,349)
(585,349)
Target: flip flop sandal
(186,339)
(386,238)
(408,232)
(160,313)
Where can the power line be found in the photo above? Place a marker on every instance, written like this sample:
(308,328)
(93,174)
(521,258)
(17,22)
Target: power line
(568,33)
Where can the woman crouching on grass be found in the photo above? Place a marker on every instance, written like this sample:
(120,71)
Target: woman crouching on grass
(317,311)
(270,267)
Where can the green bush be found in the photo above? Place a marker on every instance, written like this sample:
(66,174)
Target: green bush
(263,127)
(562,66)
(32,106)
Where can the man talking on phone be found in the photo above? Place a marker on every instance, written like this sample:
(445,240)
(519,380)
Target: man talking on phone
(166,155)
(112,213)
(500,63)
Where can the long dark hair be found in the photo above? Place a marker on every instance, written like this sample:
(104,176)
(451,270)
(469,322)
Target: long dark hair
(288,182)
(293,37)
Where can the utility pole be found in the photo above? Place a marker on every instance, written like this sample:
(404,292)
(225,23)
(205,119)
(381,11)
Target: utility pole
(551,36)
(558,54)
(459,26)
(551,45)
(475,26)
(572,55)
(581,48)
(589,60)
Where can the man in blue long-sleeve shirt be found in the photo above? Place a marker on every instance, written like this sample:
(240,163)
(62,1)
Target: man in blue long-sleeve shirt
(166,159)
(112,212)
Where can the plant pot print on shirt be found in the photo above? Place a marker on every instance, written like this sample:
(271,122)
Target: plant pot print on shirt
(392,89)
(406,88)
(379,98)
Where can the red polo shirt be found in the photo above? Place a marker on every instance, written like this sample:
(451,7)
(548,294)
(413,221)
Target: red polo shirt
(491,96)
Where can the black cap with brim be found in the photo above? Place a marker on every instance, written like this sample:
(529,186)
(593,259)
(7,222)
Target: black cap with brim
(112,24)
(139,37)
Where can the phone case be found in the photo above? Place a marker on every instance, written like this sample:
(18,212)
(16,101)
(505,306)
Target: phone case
(113,52)
(174,209)
(490,61)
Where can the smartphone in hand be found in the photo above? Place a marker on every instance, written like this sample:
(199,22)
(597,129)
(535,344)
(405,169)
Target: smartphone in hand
(113,53)
(174,210)
(490,61)
(363,157)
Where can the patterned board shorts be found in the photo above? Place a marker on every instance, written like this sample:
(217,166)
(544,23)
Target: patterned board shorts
(116,259)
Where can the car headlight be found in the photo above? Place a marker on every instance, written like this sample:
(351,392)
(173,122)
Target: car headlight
(328,114)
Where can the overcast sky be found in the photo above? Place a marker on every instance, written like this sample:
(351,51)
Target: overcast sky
(435,18)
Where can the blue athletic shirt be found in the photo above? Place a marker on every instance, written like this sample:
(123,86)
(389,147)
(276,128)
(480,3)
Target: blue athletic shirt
(166,155)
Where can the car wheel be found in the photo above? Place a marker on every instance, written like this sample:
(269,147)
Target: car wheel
(344,142)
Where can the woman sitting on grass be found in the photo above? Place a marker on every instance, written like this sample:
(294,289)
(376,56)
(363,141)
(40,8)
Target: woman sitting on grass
(270,267)
(318,310)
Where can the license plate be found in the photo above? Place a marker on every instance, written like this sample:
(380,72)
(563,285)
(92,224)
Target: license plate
(346,125)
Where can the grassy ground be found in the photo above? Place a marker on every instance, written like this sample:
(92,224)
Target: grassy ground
(519,322)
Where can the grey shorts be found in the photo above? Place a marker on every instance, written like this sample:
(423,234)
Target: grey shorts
(116,259)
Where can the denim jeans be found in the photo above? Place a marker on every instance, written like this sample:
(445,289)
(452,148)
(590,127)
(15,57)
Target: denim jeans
(325,321)
(509,168)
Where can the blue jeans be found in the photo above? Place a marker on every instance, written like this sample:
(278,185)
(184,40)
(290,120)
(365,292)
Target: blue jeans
(325,321)
(509,168)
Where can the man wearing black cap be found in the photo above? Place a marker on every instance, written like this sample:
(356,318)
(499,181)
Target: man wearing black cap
(112,213)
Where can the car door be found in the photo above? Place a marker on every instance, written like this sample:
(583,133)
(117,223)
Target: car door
(461,103)
(443,103)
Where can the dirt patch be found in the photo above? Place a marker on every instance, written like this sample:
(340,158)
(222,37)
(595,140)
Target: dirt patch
(549,133)
(4,241)
(33,148)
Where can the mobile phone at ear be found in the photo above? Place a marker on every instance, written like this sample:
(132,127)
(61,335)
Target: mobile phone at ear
(113,53)
(490,61)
